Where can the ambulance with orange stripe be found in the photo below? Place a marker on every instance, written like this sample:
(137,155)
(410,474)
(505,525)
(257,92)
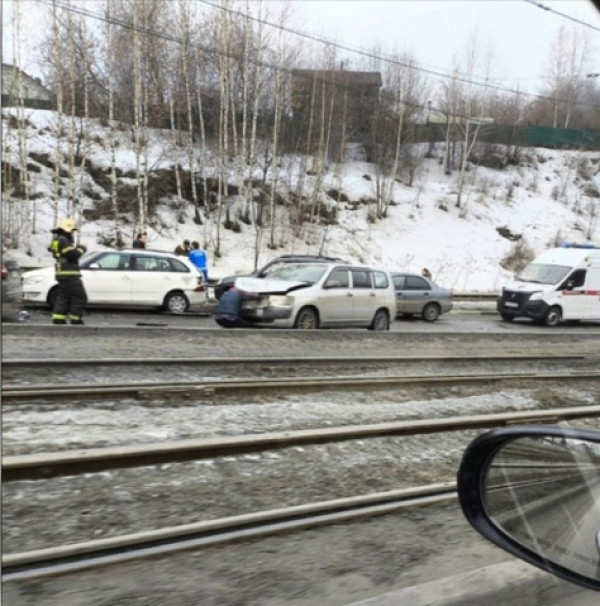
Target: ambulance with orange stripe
(560,284)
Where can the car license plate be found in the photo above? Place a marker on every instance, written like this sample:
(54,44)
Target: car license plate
(511,304)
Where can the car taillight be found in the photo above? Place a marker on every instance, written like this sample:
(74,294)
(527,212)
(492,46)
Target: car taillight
(5,273)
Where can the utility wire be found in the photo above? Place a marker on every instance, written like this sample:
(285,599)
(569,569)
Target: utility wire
(564,15)
(434,72)
(171,38)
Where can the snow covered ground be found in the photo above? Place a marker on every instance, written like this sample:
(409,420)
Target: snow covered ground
(552,196)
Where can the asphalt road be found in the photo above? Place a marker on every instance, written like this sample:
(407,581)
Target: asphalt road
(469,317)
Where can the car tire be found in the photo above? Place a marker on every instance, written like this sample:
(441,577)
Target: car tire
(381,320)
(52,295)
(307,319)
(507,317)
(553,316)
(176,303)
(431,312)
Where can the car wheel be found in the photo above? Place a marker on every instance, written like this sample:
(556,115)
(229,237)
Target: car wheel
(381,320)
(431,312)
(176,303)
(307,319)
(52,295)
(553,316)
(507,317)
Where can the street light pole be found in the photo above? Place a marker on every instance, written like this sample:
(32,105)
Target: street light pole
(467,150)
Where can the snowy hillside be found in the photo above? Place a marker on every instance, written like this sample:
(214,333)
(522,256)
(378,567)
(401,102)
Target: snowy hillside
(551,196)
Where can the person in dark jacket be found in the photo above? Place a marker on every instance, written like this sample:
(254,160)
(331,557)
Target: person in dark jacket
(140,240)
(183,249)
(229,310)
(71,296)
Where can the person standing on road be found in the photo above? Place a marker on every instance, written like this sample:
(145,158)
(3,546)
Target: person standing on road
(140,240)
(71,296)
(229,311)
(198,257)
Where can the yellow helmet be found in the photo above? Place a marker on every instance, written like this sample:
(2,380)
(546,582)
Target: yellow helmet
(68,225)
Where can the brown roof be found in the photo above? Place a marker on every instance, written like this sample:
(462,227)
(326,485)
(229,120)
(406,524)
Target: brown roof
(343,77)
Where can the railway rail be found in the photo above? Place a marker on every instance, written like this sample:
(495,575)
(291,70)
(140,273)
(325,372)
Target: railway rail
(18,363)
(114,550)
(48,391)
(52,464)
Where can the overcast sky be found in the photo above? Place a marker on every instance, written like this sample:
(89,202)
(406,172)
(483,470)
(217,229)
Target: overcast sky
(516,33)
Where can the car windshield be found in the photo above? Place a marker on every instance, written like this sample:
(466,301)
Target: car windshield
(87,258)
(300,272)
(543,273)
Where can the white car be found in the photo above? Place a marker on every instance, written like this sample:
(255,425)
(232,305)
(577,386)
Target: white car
(315,295)
(129,278)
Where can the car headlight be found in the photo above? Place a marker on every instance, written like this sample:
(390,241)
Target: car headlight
(536,296)
(280,300)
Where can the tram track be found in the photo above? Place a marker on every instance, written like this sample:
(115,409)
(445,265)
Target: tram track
(65,474)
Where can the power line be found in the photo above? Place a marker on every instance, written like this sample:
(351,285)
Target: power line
(564,15)
(171,38)
(387,59)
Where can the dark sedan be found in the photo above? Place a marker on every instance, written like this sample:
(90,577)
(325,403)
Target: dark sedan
(418,295)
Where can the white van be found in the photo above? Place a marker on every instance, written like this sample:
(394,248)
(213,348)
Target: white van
(560,284)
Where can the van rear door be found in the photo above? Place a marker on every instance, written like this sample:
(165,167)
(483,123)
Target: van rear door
(592,291)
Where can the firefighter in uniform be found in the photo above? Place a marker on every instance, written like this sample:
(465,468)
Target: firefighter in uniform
(71,296)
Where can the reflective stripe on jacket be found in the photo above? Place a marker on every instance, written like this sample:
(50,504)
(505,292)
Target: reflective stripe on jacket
(66,254)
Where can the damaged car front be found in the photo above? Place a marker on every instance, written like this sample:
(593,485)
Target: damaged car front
(281,293)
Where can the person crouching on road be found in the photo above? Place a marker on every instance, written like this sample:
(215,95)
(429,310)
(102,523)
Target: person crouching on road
(71,296)
(229,311)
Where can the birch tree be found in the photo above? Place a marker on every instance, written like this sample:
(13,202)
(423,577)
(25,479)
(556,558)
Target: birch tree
(110,61)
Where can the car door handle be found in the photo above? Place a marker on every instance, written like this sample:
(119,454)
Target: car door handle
(349,294)
(371,294)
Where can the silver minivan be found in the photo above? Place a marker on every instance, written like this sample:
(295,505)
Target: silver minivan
(320,295)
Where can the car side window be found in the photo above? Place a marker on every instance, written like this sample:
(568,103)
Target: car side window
(380,278)
(340,276)
(416,283)
(576,280)
(361,278)
(113,260)
(147,263)
(399,282)
(177,266)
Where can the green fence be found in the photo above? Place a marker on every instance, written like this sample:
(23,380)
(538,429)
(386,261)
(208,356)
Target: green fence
(10,101)
(527,136)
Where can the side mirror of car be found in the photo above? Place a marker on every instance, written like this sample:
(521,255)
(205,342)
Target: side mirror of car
(93,266)
(332,284)
(570,285)
(535,492)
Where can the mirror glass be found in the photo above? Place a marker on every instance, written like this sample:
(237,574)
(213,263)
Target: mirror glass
(544,492)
